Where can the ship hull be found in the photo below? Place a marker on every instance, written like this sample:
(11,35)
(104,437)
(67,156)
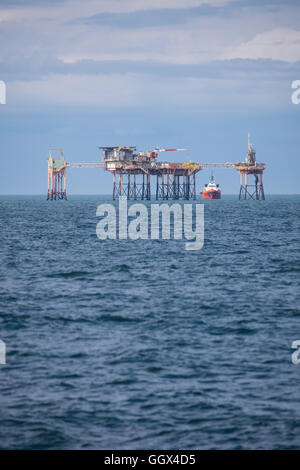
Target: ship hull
(211,194)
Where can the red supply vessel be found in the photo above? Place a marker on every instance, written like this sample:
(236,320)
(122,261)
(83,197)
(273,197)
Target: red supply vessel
(211,190)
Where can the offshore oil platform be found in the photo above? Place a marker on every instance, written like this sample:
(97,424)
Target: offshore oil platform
(132,173)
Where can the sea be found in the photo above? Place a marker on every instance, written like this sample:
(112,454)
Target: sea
(142,344)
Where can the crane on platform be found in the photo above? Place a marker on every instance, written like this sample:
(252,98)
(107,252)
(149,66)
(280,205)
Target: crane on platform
(169,150)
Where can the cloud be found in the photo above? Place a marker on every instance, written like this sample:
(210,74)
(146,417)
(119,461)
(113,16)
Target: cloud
(38,67)
(173,35)
(151,18)
(278,44)
(21,3)
(68,10)
(50,58)
(142,91)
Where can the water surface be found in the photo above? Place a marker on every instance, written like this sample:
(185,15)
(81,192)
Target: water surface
(142,344)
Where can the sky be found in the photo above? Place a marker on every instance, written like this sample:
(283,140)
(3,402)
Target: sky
(170,73)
